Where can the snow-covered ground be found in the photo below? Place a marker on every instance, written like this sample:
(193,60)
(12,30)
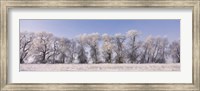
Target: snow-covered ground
(100,67)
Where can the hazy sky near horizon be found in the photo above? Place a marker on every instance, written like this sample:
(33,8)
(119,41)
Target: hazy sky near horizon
(72,28)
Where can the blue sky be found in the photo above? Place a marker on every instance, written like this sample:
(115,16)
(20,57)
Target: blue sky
(72,28)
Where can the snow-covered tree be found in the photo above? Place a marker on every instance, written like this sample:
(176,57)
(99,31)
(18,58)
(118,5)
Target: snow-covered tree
(107,48)
(71,51)
(26,39)
(82,54)
(132,46)
(154,50)
(55,49)
(147,48)
(42,45)
(119,48)
(162,52)
(92,42)
(63,49)
(175,51)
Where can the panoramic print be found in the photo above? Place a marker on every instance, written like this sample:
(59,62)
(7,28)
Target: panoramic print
(99,45)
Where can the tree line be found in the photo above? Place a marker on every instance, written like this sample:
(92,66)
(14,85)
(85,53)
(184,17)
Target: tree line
(44,47)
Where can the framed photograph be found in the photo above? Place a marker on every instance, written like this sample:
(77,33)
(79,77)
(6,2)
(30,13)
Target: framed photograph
(51,45)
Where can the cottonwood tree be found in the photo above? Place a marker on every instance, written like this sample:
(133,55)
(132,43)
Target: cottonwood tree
(132,45)
(154,50)
(55,49)
(162,50)
(175,51)
(107,48)
(26,39)
(119,47)
(42,46)
(82,54)
(71,51)
(92,42)
(147,50)
(63,49)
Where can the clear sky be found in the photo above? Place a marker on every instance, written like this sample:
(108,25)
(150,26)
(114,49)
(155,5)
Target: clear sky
(72,28)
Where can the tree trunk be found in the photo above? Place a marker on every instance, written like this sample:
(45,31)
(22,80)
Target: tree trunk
(21,61)
(44,57)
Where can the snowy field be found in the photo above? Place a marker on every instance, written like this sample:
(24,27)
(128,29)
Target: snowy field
(100,67)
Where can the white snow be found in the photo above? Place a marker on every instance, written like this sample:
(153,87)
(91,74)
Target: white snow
(100,67)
